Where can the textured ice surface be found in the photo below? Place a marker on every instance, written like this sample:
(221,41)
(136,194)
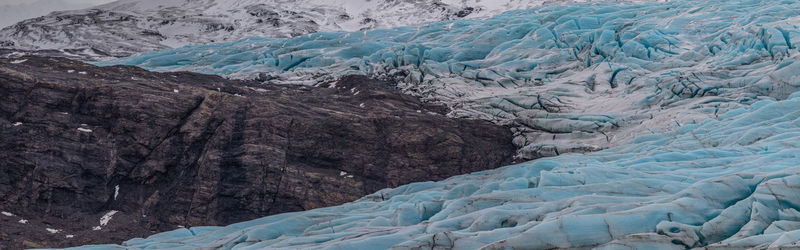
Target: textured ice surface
(732,181)
(126,27)
(570,78)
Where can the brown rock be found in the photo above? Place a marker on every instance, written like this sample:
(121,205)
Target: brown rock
(190,149)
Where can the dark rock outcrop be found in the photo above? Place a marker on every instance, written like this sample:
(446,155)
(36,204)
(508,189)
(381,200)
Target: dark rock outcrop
(186,149)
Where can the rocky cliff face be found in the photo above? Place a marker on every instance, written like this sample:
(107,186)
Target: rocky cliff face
(184,149)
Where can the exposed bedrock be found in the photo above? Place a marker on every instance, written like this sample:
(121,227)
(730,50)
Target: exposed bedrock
(187,149)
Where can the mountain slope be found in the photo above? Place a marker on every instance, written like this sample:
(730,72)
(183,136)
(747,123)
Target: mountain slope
(127,27)
(184,149)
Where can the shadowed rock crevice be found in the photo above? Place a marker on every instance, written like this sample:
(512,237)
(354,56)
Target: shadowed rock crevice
(186,149)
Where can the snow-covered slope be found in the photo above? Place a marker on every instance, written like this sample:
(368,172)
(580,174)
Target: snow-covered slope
(127,27)
(570,78)
(731,182)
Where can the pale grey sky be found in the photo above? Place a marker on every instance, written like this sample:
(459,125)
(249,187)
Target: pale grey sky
(13,11)
(92,2)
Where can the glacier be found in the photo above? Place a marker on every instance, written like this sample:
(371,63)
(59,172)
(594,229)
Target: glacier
(726,182)
(690,111)
(574,77)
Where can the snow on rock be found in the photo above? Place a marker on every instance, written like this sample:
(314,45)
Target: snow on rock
(569,78)
(23,221)
(116,192)
(7,213)
(17,124)
(96,228)
(86,130)
(19,61)
(726,182)
(52,231)
(69,236)
(107,217)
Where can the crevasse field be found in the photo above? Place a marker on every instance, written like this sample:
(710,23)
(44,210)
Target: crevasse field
(572,77)
(689,103)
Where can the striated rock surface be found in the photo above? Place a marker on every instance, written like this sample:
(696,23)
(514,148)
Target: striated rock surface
(78,142)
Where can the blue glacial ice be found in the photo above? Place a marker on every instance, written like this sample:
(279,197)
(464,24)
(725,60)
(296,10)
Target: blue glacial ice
(722,183)
(569,78)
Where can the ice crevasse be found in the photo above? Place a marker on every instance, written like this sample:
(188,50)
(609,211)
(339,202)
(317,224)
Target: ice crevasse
(729,182)
(575,77)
